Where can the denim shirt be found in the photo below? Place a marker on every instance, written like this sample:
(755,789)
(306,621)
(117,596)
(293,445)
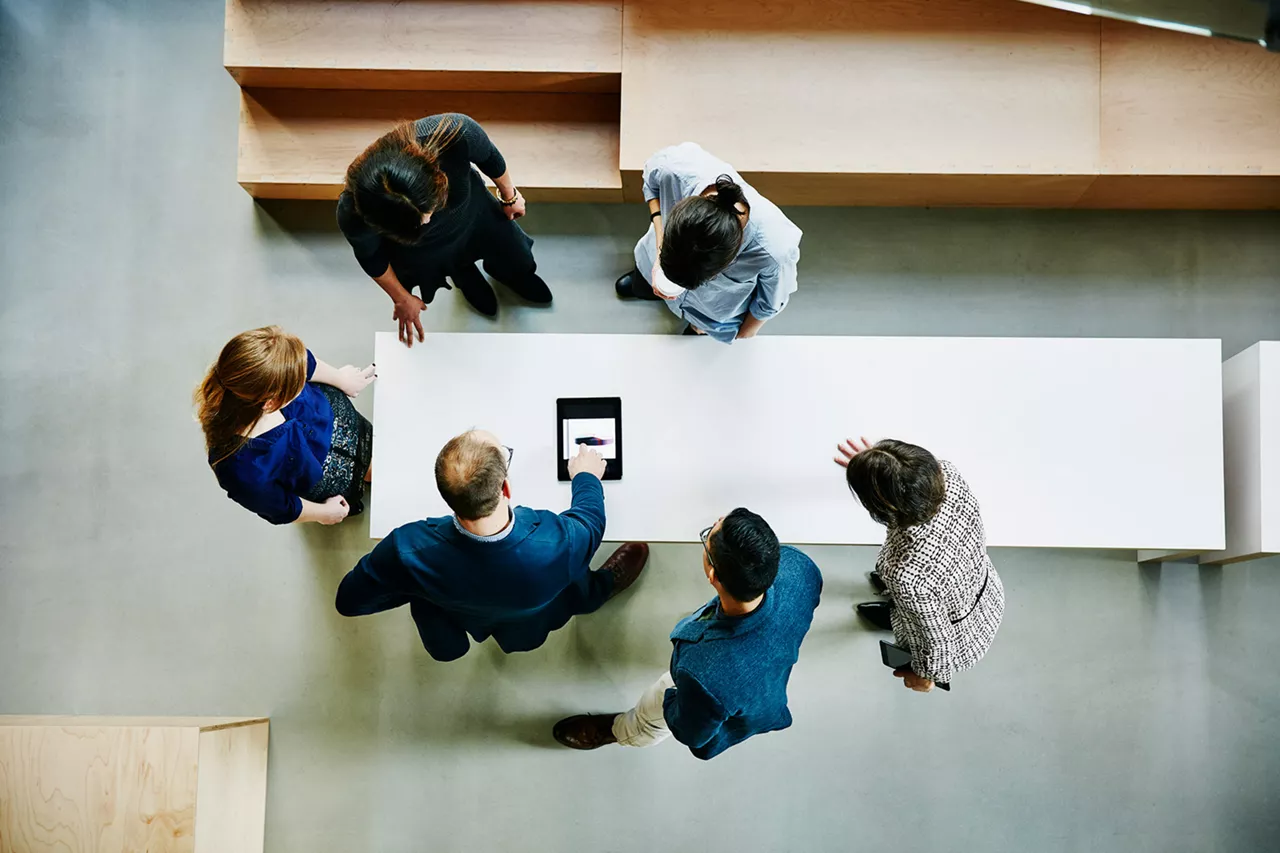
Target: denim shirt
(763,275)
(731,673)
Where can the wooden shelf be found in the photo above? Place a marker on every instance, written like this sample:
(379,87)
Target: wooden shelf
(864,87)
(952,103)
(297,143)
(497,45)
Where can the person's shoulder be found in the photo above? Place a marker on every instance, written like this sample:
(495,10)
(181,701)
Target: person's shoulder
(775,234)
(799,566)
(423,534)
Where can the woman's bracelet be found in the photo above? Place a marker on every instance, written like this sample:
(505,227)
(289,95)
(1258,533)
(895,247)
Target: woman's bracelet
(507,202)
(656,213)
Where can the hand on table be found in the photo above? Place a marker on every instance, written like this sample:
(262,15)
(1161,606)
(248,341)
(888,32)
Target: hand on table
(849,448)
(352,380)
(333,510)
(587,461)
(913,681)
(408,315)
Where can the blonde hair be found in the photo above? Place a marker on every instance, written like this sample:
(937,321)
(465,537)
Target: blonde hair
(258,368)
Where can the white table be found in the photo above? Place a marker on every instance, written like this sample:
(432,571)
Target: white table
(1066,442)
(1251,423)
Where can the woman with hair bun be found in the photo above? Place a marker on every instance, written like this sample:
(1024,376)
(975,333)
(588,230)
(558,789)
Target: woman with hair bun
(280,432)
(415,211)
(721,255)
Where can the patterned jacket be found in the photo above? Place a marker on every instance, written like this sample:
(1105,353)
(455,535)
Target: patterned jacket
(934,572)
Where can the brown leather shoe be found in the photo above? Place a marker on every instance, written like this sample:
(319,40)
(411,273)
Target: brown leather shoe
(585,731)
(626,564)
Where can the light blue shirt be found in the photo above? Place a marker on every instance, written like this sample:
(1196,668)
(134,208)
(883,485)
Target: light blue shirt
(493,537)
(763,275)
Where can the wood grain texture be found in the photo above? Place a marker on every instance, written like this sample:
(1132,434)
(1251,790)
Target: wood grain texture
(94,789)
(446,81)
(864,86)
(510,36)
(232,790)
(898,190)
(1178,104)
(301,141)
(1183,192)
(201,723)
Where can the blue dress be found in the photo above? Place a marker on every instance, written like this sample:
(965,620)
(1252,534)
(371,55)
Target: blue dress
(271,473)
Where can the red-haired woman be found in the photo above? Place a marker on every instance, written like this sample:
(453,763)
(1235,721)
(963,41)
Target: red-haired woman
(415,211)
(281,434)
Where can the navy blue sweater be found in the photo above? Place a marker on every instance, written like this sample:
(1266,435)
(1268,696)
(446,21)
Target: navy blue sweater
(731,673)
(517,589)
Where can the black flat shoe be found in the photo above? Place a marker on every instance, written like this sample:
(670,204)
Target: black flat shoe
(623,286)
(877,583)
(475,289)
(877,613)
(631,285)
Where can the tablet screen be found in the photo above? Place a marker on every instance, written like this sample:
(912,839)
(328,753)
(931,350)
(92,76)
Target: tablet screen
(600,434)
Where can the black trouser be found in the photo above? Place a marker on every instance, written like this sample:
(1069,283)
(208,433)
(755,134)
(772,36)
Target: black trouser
(502,245)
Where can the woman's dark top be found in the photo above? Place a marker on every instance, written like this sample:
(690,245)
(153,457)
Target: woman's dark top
(272,469)
(450,224)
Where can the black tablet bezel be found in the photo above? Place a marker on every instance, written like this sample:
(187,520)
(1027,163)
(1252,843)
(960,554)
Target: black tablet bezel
(589,407)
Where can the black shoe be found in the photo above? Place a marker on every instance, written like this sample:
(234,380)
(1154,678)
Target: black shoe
(877,583)
(877,613)
(631,285)
(477,291)
(690,331)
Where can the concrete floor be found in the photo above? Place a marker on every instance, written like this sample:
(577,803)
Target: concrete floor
(1122,709)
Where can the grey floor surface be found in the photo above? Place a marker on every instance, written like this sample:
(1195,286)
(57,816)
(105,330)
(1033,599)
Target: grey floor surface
(1122,709)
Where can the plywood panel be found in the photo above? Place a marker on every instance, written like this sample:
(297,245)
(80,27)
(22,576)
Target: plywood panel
(201,723)
(232,790)
(445,81)
(97,789)
(1178,104)
(1183,192)
(863,86)
(885,190)
(302,140)
(514,37)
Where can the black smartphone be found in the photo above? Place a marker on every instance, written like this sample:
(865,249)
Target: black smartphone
(595,422)
(896,657)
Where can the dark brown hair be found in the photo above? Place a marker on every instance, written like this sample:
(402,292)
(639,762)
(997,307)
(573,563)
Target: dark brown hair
(398,179)
(899,484)
(702,235)
(469,475)
(261,367)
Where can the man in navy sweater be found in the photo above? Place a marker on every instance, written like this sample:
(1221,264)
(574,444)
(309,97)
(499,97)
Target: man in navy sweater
(492,570)
(731,659)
